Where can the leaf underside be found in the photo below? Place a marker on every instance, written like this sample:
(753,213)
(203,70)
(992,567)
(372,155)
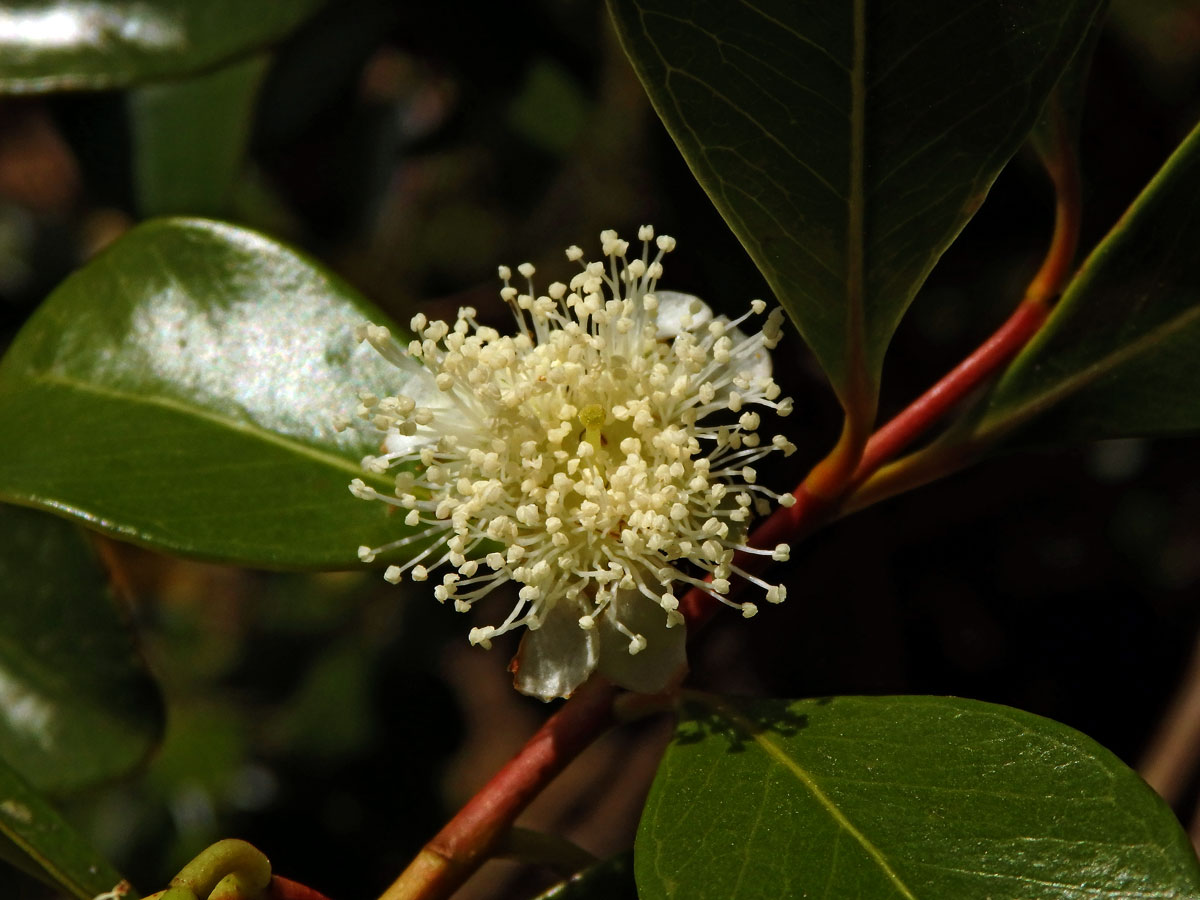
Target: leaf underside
(847,144)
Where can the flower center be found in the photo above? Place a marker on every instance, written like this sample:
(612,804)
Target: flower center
(591,417)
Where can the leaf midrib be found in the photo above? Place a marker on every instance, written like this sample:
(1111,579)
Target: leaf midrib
(780,756)
(1105,365)
(856,206)
(17,791)
(270,437)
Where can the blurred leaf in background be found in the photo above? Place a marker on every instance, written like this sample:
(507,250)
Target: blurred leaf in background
(90,45)
(77,705)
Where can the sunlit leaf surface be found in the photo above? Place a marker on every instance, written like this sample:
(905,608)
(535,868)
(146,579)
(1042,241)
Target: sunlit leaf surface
(180,391)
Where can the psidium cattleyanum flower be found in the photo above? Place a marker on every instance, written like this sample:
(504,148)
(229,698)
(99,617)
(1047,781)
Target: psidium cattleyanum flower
(602,458)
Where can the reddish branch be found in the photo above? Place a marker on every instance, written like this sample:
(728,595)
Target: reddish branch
(932,406)
(286,889)
(479,827)
(941,399)
(1170,762)
(1059,157)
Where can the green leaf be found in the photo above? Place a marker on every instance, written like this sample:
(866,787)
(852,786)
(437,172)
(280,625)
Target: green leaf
(847,144)
(190,138)
(610,879)
(1120,354)
(77,705)
(922,798)
(180,391)
(36,839)
(97,44)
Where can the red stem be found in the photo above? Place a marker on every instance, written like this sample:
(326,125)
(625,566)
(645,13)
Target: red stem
(286,889)
(944,396)
(811,510)
(1061,164)
(474,833)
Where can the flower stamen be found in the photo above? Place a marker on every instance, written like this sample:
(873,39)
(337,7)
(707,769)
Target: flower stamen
(599,458)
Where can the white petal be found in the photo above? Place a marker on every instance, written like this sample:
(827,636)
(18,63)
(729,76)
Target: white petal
(673,306)
(759,364)
(654,669)
(420,387)
(557,658)
(398,443)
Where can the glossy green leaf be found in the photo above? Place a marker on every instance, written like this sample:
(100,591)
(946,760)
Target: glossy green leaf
(1120,354)
(190,138)
(36,839)
(920,798)
(610,879)
(847,144)
(180,391)
(77,705)
(55,45)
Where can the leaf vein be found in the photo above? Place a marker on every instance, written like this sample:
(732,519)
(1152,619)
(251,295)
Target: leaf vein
(778,754)
(293,446)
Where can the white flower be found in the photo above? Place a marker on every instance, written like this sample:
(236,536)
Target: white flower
(602,458)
